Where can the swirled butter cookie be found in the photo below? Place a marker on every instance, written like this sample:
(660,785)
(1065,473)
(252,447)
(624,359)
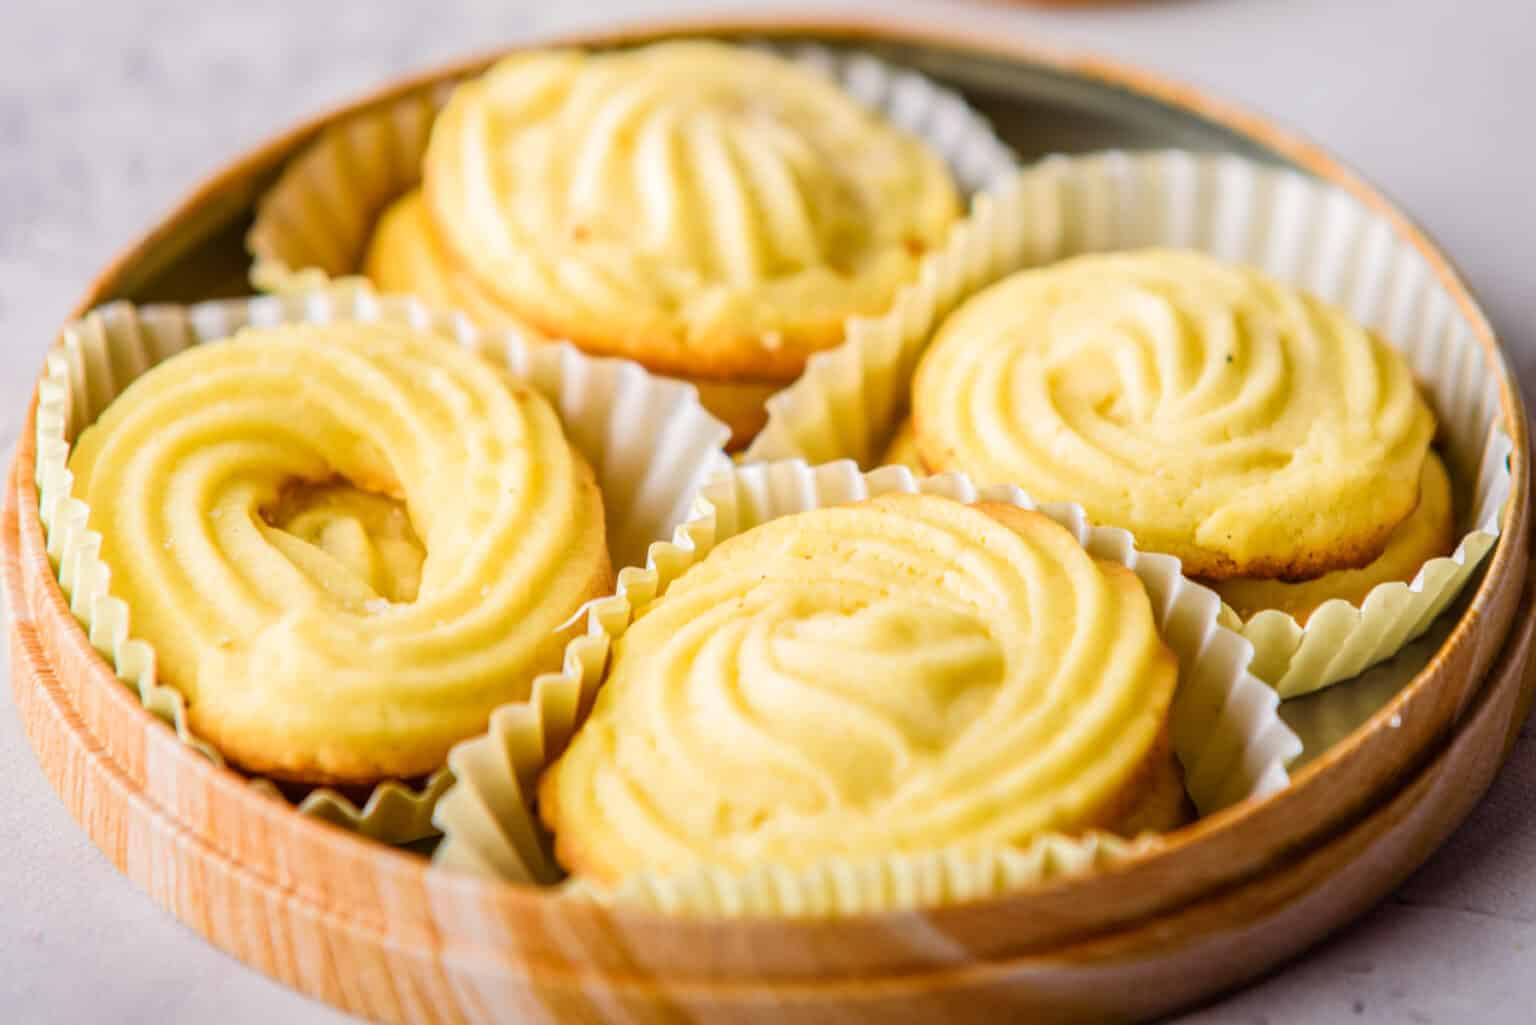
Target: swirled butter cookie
(1220,415)
(346,543)
(713,212)
(906,673)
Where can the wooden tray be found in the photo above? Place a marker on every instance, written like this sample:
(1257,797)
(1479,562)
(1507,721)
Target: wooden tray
(375,931)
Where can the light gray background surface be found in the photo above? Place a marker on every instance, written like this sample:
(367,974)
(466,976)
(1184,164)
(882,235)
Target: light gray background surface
(109,110)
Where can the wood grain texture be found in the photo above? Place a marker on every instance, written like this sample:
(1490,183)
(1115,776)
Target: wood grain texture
(375,931)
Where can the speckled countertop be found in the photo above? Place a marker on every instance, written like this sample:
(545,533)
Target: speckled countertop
(110,110)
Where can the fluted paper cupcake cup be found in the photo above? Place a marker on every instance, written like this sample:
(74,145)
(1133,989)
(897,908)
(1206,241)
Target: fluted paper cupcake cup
(1224,724)
(648,440)
(851,399)
(312,227)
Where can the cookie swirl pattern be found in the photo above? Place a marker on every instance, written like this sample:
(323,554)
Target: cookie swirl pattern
(903,674)
(309,641)
(1221,416)
(708,210)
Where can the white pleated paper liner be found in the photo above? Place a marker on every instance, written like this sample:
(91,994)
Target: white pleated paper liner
(312,227)
(648,440)
(1325,717)
(1224,724)
(850,400)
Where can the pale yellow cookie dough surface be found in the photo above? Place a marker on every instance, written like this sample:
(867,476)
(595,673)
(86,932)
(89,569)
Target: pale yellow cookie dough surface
(1428,533)
(902,450)
(405,257)
(334,531)
(346,543)
(906,673)
(708,210)
(1220,415)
